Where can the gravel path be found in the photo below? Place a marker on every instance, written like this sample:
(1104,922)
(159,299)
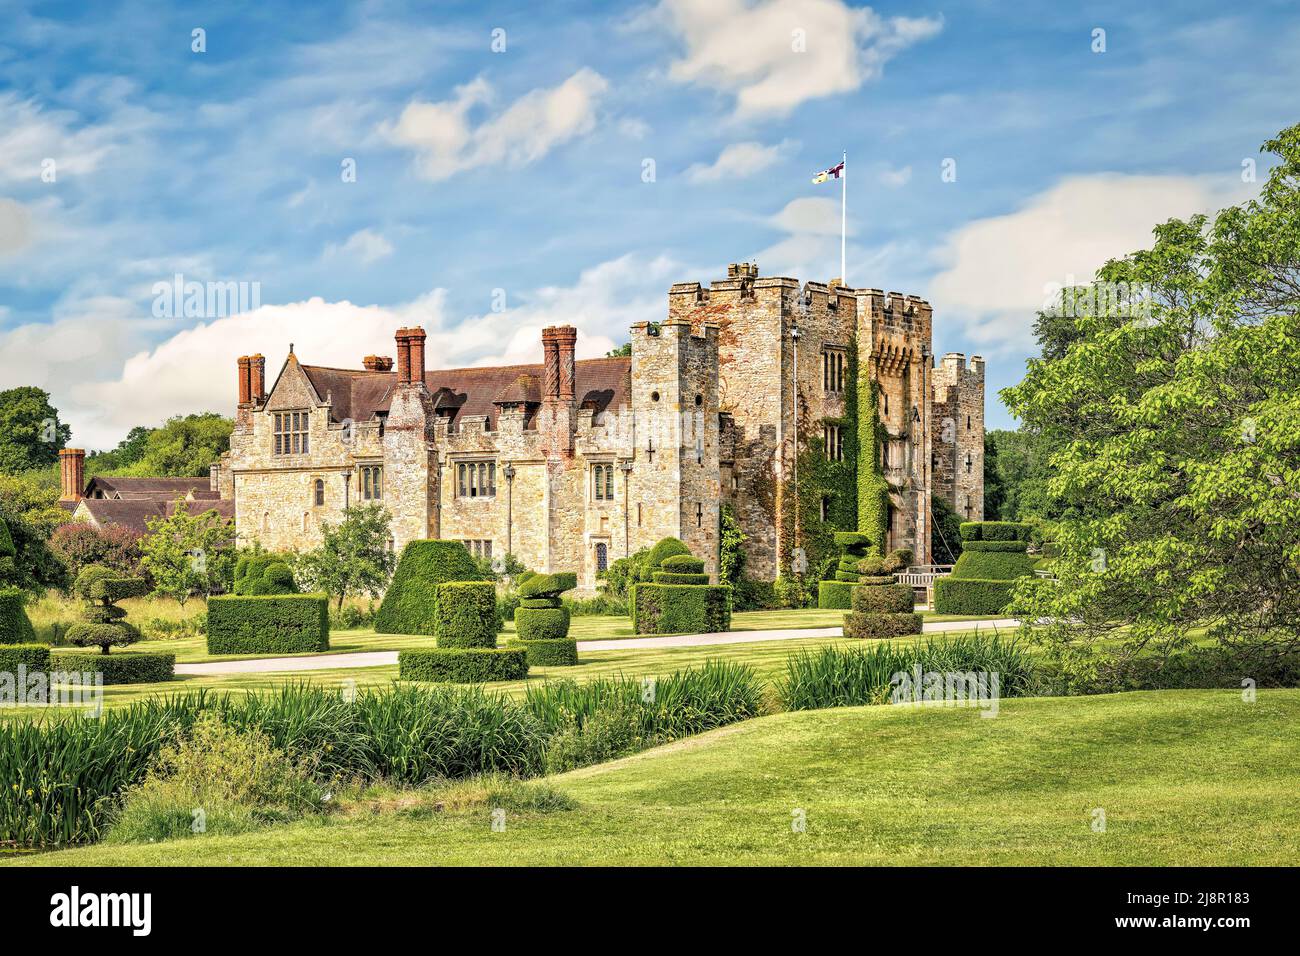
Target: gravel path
(318,662)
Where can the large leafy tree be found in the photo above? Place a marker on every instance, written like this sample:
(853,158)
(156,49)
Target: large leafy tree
(30,431)
(1177,434)
(353,557)
(183,447)
(29,508)
(187,554)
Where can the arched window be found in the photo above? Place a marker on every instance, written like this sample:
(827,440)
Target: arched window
(602,557)
(320,492)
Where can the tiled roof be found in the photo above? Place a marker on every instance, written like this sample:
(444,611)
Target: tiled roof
(602,383)
(133,512)
(114,486)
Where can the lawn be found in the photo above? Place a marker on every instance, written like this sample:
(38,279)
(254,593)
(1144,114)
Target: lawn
(1184,778)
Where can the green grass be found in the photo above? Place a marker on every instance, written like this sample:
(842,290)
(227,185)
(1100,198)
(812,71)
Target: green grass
(1184,777)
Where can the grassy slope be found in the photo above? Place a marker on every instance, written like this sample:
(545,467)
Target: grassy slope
(1185,777)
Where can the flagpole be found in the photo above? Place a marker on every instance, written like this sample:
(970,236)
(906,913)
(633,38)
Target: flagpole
(844,216)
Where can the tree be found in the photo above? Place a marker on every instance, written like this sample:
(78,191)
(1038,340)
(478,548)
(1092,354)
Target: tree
(184,447)
(30,431)
(353,557)
(128,451)
(31,512)
(189,554)
(79,544)
(1175,412)
(945,531)
(623,351)
(731,550)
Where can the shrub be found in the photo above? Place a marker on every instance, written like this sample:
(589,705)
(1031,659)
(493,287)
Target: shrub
(238,779)
(263,574)
(900,559)
(542,623)
(980,545)
(466,614)
(559,652)
(1198,668)
(861,624)
(103,623)
(791,593)
(683,564)
(954,595)
(835,595)
(994,565)
(276,624)
(681,608)
(15,625)
(79,544)
(132,668)
(995,531)
(754,595)
(34,657)
(884,599)
(463,665)
(538,602)
(598,605)
(665,548)
(668,577)
(410,603)
(548,586)
(871,566)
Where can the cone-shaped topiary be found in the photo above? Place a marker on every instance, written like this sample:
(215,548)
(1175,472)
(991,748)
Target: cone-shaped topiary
(410,604)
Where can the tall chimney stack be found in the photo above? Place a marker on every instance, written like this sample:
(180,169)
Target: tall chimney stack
(566,339)
(72,472)
(410,356)
(550,364)
(257,378)
(245,381)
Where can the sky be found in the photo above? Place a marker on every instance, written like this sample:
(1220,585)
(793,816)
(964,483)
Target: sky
(486,169)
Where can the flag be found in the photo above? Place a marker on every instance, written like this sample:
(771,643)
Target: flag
(835,172)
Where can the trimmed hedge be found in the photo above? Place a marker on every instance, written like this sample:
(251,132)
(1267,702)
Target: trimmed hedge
(115,668)
(683,564)
(562,652)
(835,595)
(954,595)
(463,665)
(548,586)
(681,608)
(466,614)
(664,549)
(271,624)
(995,531)
(980,545)
(994,565)
(668,577)
(541,623)
(35,657)
(538,602)
(261,574)
(15,625)
(861,625)
(884,599)
(411,602)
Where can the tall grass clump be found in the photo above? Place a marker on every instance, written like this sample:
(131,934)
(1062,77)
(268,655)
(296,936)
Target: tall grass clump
(852,676)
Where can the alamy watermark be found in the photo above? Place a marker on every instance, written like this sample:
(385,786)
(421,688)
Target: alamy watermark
(38,688)
(191,299)
(1129,300)
(979,689)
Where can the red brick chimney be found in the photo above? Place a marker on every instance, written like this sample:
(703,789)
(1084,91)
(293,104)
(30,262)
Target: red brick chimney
(559,418)
(377,363)
(245,381)
(410,356)
(566,339)
(72,471)
(257,378)
(550,364)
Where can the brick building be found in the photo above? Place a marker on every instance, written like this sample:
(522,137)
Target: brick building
(572,464)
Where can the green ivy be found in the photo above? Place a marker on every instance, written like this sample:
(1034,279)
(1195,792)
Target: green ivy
(873,491)
(731,551)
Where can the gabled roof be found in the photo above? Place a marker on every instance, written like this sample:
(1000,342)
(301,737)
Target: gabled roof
(601,384)
(113,486)
(134,513)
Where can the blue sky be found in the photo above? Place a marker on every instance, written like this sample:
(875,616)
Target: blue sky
(499,191)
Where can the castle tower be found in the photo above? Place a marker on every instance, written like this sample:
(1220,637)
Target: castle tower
(675,476)
(958,427)
(410,458)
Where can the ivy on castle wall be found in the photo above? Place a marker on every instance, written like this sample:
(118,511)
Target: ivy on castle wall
(873,490)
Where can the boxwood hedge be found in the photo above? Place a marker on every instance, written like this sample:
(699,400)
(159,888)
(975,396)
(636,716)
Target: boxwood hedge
(954,595)
(993,565)
(995,531)
(681,608)
(835,595)
(870,625)
(411,601)
(270,624)
(466,614)
(562,652)
(463,665)
(35,657)
(541,623)
(884,599)
(670,577)
(683,564)
(129,668)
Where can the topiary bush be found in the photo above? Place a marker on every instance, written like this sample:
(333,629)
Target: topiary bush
(862,625)
(542,622)
(882,608)
(103,623)
(562,652)
(683,564)
(835,595)
(262,574)
(131,668)
(15,625)
(463,665)
(547,587)
(664,549)
(466,614)
(884,599)
(993,558)
(854,547)
(411,601)
(269,624)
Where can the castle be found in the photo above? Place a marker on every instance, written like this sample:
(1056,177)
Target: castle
(572,464)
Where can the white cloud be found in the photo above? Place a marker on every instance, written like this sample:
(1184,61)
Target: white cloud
(896,177)
(29,136)
(775,54)
(104,381)
(365,245)
(998,270)
(525,131)
(15,226)
(736,161)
